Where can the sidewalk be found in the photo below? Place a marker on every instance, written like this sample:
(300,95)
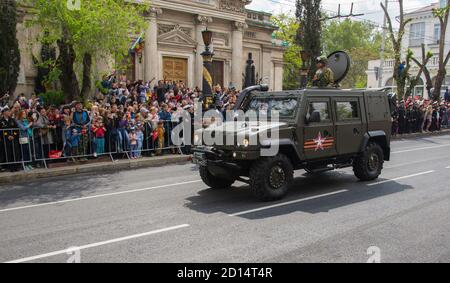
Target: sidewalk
(107,166)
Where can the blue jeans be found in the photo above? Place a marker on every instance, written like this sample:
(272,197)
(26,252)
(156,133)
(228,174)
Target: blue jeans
(124,141)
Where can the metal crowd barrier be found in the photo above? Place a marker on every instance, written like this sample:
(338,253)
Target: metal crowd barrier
(49,144)
(14,148)
(158,141)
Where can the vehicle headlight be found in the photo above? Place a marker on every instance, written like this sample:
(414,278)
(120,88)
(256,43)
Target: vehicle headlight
(245,142)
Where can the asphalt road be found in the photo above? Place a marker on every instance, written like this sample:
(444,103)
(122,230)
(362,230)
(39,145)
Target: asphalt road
(167,215)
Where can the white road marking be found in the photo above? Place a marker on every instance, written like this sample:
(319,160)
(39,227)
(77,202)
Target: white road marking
(401,178)
(447,167)
(286,203)
(98,196)
(421,148)
(93,245)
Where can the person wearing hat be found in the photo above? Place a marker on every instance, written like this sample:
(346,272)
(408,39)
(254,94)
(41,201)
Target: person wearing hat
(447,95)
(82,123)
(9,140)
(324,76)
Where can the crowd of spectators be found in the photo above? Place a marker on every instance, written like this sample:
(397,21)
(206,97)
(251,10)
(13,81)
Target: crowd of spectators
(124,119)
(421,115)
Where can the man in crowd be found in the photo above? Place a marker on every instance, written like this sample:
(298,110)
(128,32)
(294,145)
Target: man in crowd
(9,141)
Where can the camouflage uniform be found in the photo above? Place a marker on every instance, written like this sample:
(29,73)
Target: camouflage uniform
(324,77)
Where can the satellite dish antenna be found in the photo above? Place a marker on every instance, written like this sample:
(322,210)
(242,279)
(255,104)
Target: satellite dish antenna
(339,62)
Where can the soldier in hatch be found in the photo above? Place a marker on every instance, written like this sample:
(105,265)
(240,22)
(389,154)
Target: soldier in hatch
(324,76)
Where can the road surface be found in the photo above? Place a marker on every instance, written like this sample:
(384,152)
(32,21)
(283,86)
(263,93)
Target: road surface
(168,215)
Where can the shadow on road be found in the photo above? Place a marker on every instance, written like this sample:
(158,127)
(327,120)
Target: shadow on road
(240,199)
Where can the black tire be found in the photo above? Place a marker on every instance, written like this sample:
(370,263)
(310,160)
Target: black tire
(214,182)
(369,164)
(270,178)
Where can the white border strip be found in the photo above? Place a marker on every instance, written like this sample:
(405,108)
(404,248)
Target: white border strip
(401,178)
(422,148)
(93,245)
(98,196)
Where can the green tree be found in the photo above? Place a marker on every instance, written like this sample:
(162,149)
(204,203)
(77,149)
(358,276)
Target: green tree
(361,40)
(443,15)
(96,29)
(9,47)
(287,32)
(309,34)
(396,40)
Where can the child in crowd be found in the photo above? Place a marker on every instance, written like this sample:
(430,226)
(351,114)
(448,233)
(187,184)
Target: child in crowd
(160,137)
(140,138)
(71,138)
(133,143)
(99,131)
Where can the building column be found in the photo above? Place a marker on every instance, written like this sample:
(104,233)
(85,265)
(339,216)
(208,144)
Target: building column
(238,50)
(201,25)
(278,76)
(151,45)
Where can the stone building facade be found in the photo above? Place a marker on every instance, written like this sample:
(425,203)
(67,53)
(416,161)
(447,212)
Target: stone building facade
(173,44)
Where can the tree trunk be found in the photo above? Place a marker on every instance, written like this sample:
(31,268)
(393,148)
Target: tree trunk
(397,45)
(66,60)
(87,83)
(442,72)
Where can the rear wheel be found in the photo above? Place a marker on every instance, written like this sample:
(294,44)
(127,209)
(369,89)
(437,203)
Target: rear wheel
(270,178)
(369,164)
(214,182)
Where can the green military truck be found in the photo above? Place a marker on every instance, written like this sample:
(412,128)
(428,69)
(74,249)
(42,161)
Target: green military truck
(318,130)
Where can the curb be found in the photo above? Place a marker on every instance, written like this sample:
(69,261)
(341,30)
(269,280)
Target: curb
(421,135)
(6,178)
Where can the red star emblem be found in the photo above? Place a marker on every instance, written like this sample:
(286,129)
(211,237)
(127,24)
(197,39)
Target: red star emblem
(319,142)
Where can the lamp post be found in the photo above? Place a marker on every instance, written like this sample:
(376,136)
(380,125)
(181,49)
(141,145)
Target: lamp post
(304,71)
(250,72)
(207,95)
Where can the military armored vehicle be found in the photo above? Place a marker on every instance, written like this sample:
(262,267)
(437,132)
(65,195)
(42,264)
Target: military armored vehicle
(319,129)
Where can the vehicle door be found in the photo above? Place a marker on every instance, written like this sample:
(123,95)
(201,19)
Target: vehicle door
(319,131)
(348,124)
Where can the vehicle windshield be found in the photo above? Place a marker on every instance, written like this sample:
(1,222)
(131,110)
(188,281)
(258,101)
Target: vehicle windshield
(266,106)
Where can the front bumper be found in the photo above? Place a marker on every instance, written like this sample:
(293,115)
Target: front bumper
(222,163)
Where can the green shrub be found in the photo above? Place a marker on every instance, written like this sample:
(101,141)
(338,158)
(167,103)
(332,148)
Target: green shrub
(53,98)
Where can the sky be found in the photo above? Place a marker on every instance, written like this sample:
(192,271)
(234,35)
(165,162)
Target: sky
(371,8)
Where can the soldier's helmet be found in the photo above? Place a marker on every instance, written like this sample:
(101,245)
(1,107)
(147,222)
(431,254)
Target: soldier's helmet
(322,59)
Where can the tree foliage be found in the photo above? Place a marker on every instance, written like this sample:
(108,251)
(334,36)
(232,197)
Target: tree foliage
(9,47)
(287,32)
(309,34)
(97,29)
(396,40)
(361,40)
(443,15)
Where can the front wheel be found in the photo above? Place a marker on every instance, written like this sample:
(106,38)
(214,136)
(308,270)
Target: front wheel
(214,182)
(270,178)
(369,164)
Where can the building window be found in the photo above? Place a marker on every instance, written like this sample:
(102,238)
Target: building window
(417,34)
(437,33)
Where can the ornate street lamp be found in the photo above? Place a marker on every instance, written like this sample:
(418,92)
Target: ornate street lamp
(306,56)
(207,95)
